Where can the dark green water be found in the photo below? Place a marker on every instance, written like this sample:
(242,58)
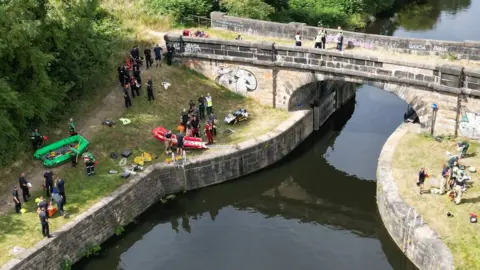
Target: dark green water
(315,209)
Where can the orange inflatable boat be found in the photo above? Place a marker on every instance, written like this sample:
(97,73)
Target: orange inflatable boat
(188,142)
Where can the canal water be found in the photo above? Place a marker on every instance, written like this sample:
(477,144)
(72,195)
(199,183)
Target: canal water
(315,209)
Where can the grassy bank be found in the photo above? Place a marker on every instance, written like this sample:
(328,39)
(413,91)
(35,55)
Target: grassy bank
(415,151)
(23,230)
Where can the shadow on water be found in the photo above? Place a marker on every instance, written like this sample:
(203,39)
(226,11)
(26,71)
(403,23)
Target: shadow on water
(301,212)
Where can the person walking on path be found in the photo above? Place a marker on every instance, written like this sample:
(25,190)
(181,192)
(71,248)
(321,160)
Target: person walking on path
(61,189)
(209,101)
(71,128)
(44,222)
(323,34)
(16,199)
(126,97)
(48,175)
(150,89)
(158,55)
(24,185)
(148,57)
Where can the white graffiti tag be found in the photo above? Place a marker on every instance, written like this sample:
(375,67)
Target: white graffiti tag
(470,124)
(238,80)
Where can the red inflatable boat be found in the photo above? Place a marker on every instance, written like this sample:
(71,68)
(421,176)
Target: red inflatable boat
(188,142)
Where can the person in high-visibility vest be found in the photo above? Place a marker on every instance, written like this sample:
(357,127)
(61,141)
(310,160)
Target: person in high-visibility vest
(71,127)
(209,101)
(89,162)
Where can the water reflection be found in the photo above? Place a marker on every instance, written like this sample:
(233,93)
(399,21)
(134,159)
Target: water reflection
(302,213)
(433,19)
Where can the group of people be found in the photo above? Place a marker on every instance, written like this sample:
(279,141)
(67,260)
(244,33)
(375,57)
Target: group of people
(54,190)
(321,39)
(189,125)
(197,33)
(453,176)
(130,77)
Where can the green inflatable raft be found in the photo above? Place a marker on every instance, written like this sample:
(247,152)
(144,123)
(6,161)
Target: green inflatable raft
(62,151)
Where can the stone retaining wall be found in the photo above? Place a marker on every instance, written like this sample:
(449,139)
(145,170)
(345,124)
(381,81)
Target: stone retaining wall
(415,238)
(119,208)
(463,50)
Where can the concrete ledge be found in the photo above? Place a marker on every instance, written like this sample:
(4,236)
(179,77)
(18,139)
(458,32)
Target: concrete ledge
(418,242)
(98,224)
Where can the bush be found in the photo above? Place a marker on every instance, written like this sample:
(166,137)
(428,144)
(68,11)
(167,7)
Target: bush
(178,10)
(51,54)
(254,9)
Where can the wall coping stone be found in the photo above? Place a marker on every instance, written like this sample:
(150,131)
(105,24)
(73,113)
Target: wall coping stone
(389,194)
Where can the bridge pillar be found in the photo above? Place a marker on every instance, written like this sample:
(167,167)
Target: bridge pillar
(322,110)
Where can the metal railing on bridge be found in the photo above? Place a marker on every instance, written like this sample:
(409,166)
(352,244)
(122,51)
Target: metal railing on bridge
(196,21)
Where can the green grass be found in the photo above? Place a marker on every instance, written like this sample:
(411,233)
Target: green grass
(23,230)
(463,238)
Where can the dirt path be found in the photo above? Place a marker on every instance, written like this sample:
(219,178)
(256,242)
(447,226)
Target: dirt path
(111,107)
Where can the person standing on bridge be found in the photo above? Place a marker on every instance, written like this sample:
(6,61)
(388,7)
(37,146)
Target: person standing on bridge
(339,39)
(298,39)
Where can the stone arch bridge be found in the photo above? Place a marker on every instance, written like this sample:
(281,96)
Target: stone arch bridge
(283,77)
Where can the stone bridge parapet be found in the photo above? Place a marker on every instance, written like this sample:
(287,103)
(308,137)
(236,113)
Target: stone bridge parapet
(469,50)
(272,74)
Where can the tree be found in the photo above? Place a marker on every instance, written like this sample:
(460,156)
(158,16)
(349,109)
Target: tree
(178,10)
(254,9)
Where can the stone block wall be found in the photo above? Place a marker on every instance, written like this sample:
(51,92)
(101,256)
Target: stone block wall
(242,78)
(415,238)
(381,69)
(143,190)
(463,50)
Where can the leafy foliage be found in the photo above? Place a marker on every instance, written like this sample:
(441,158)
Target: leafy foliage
(255,9)
(179,9)
(52,52)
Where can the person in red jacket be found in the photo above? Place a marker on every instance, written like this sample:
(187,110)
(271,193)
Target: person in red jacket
(209,132)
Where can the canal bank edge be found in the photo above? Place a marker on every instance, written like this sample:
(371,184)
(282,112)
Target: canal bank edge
(99,223)
(416,239)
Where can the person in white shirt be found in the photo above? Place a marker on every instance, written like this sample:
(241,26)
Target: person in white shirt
(298,39)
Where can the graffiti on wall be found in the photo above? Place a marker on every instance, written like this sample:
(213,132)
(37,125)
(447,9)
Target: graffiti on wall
(188,47)
(240,81)
(352,42)
(470,124)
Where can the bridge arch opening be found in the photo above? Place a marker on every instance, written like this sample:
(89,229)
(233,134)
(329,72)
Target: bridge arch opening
(311,88)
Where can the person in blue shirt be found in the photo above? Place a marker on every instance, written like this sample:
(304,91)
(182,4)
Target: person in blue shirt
(158,55)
